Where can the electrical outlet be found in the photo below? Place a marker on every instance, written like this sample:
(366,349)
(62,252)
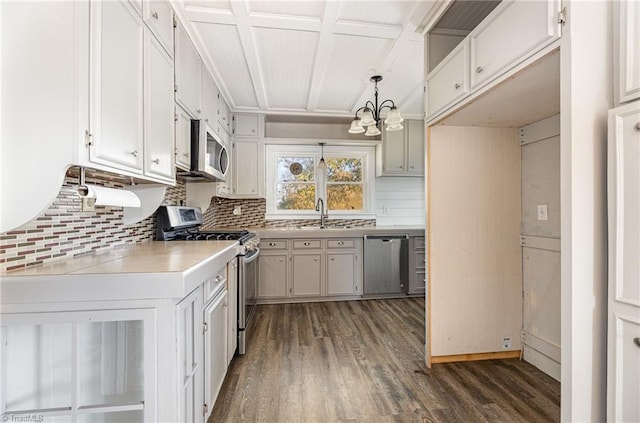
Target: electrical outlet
(88,204)
(506,343)
(543,212)
(237,211)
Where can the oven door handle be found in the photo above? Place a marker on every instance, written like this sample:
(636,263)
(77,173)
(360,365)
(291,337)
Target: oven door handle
(252,257)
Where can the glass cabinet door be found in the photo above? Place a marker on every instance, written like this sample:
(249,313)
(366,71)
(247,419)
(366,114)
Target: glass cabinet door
(78,366)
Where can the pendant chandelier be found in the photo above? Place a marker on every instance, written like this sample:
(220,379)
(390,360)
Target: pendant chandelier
(370,118)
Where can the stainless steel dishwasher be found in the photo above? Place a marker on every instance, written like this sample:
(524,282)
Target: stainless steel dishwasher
(386,264)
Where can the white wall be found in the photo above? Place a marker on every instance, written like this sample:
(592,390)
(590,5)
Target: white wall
(586,94)
(400,201)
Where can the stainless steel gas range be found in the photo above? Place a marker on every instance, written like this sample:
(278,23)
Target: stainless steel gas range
(178,223)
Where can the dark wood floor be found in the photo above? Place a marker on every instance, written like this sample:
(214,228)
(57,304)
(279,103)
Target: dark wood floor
(362,361)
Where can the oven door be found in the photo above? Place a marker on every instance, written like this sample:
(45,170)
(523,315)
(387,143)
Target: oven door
(248,286)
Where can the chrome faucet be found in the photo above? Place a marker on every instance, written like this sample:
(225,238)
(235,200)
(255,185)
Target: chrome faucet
(323,213)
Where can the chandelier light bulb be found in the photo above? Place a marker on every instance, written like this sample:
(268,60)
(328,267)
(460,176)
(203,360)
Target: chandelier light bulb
(372,131)
(356,126)
(394,127)
(393,117)
(367,118)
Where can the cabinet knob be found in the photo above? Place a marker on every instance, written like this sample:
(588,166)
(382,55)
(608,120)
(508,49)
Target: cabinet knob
(479,69)
(156,161)
(218,278)
(637,127)
(637,342)
(332,258)
(198,111)
(134,153)
(412,166)
(400,166)
(306,243)
(340,242)
(315,259)
(155,15)
(457,86)
(272,244)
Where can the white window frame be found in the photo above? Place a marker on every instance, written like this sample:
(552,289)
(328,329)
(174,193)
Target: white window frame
(367,154)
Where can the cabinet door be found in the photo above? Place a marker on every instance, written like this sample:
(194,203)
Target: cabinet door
(623,355)
(209,98)
(449,81)
(247,165)
(190,358)
(159,107)
(306,274)
(158,15)
(188,68)
(224,114)
(247,125)
(628,47)
(83,359)
(341,273)
(232,309)
(393,156)
(520,28)
(183,138)
(215,349)
(116,86)
(415,146)
(272,275)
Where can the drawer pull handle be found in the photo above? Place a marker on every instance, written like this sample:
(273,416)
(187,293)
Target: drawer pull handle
(306,243)
(218,278)
(479,69)
(155,15)
(340,243)
(272,244)
(281,260)
(457,86)
(156,161)
(637,127)
(134,153)
(333,259)
(637,342)
(315,259)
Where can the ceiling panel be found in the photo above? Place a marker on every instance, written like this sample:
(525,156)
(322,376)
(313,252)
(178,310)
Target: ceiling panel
(225,50)
(286,76)
(351,63)
(466,15)
(288,8)
(213,4)
(379,12)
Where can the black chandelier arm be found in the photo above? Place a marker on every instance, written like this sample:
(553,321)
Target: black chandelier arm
(360,109)
(383,105)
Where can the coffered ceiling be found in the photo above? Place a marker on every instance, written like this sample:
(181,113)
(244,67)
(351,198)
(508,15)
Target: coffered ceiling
(311,57)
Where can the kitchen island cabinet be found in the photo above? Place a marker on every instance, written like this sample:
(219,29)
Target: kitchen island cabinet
(141,305)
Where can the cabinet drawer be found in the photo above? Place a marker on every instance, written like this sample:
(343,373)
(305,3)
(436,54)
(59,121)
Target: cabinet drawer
(215,283)
(307,243)
(158,15)
(274,244)
(419,243)
(341,243)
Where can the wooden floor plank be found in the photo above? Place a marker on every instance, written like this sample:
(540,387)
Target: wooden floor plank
(363,361)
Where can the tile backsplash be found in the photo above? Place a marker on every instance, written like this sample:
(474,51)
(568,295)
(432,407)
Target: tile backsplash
(65,231)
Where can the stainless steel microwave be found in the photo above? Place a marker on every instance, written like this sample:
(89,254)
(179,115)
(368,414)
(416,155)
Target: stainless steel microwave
(209,155)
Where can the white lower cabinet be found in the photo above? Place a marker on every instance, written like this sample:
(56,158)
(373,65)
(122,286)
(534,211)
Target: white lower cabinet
(79,365)
(215,349)
(306,274)
(309,268)
(190,358)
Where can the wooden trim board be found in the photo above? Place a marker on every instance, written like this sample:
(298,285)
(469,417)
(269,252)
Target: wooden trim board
(498,355)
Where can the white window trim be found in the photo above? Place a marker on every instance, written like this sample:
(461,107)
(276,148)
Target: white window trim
(368,162)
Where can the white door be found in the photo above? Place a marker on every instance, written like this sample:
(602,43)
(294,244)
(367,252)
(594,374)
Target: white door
(159,107)
(341,273)
(116,86)
(190,358)
(393,144)
(215,349)
(246,167)
(183,138)
(273,275)
(188,68)
(623,367)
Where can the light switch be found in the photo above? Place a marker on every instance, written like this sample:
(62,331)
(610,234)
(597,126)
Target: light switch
(542,212)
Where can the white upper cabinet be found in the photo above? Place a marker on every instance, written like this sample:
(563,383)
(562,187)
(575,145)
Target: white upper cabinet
(188,81)
(628,37)
(158,15)
(247,168)
(402,152)
(159,112)
(247,125)
(224,114)
(415,146)
(449,81)
(116,98)
(512,32)
(183,138)
(209,98)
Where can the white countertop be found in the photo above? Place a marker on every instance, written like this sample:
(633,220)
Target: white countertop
(149,270)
